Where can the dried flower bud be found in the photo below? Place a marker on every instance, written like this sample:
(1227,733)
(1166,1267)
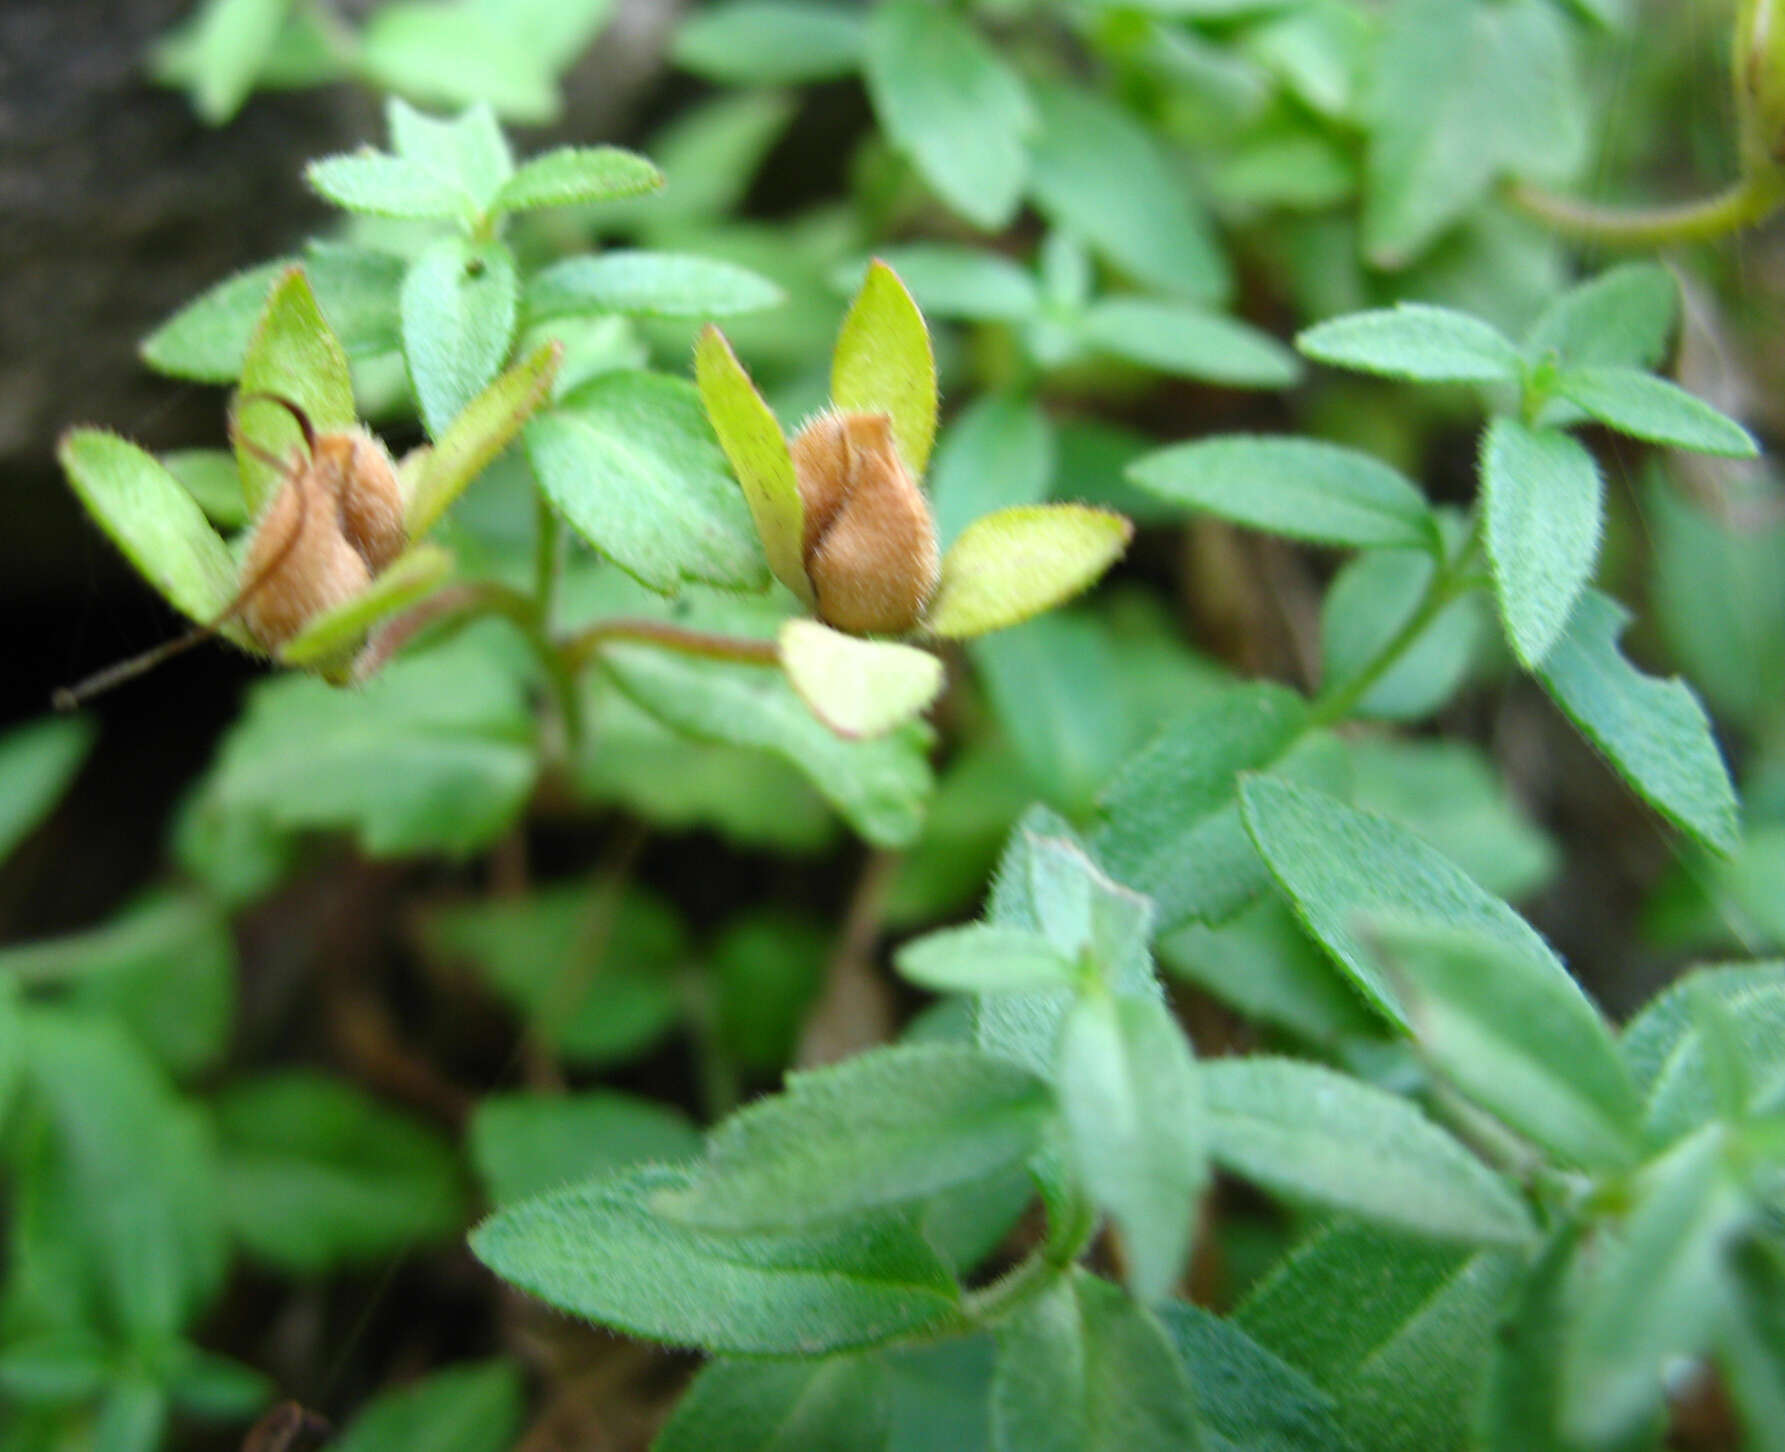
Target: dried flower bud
(869,542)
(299,562)
(358,473)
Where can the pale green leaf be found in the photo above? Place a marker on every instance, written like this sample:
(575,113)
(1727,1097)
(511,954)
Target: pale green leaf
(887,1127)
(457,54)
(1646,407)
(295,355)
(1303,488)
(1621,318)
(1544,502)
(1343,868)
(770,42)
(152,520)
(1137,1130)
(949,101)
(997,454)
(478,433)
(381,185)
(859,688)
(223,50)
(1019,562)
(1317,1136)
(211,478)
(573,175)
(630,462)
(884,364)
(651,284)
(459,306)
(953,281)
(601,1251)
(469,149)
(1653,732)
(757,451)
(986,958)
(1417,341)
(1189,341)
(1099,173)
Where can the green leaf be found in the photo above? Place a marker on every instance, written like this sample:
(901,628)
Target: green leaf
(574,175)
(292,354)
(601,1251)
(859,688)
(55,1368)
(986,958)
(1671,1062)
(37,762)
(152,520)
(1653,732)
(1263,964)
(1342,868)
(216,1388)
(1082,1368)
(165,968)
(839,1403)
(471,1407)
(1188,341)
(469,150)
(1172,826)
(769,42)
(1520,1038)
(630,462)
(1396,1331)
(757,451)
(435,755)
(211,478)
(1646,407)
(1250,1400)
(1521,1405)
(1657,1293)
(1443,122)
(770,966)
(133,1417)
(947,100)
(459,306)
(1368,604)
(139,1172)
(884,363)
(523,1145)
(593,973)
(480,431)
(1416,341)
(1313,1135)
(330,636)
(1544,504)
(1018,562)
(654,284)
(1098,173)
(222,51)
(1752,1350)
(380,185)
(953,281)
(1302,488)
(1137,1132)
(556,31)
(1621,318)
(887,1127)
(317,1174)
(457,54)
(997,454)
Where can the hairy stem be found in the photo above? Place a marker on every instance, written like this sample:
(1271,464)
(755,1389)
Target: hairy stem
(578,649)
(1745,204)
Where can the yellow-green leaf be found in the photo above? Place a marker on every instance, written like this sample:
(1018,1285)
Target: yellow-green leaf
(411,575)
(1019,562)
(295,355)
(884,364)
(857,687)
(757,449)
(482,429)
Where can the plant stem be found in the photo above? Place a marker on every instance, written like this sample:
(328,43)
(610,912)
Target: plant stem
(578,649)
(548,559)
(1447,584)
(1066,1241)
(1749,201)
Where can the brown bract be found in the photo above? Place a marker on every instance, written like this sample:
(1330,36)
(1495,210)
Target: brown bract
(335,522)
(869,543)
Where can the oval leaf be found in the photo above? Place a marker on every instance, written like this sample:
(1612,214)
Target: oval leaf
(577,174)
(1417,341)
(884,364)
(1189,341)
(986,958)
(1018,562)
(459,304)
(1646,407)
(857,687)
(651,284)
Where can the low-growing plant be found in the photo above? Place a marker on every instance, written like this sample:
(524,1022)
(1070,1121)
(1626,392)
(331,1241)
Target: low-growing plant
(1401,1185)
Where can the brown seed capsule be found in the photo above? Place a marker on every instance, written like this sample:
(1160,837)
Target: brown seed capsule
(869,541)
